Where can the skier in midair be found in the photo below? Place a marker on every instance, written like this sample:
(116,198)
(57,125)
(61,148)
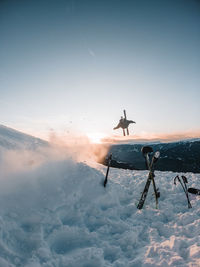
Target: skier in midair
(124,123)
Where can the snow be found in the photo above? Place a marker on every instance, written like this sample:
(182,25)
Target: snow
(57,213)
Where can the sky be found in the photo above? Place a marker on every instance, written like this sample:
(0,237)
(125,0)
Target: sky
(73,66)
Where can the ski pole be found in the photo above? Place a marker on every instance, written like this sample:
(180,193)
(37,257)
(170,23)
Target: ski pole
(185,181)
(156,192)
(184,188)
(106,178)
(145,151)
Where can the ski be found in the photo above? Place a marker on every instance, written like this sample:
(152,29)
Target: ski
(145,151)
(156,192)
(184,186)
(124,114)
(145,191)
(109,162)
(124,133)
(150,166)
(127,130)
(194,191)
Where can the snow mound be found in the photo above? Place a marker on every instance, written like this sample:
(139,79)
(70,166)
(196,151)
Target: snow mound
(13,139)
(59,214)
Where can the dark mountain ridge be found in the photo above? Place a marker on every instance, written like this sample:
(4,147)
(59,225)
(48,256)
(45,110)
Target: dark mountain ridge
(181,156)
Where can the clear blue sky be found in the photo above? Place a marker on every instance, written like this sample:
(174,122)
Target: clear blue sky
(75,65)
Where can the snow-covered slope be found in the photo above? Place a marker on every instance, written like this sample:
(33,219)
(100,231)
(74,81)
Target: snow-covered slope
(58,214)
(13,139)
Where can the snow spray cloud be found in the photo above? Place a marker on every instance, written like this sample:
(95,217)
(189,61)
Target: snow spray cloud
(21,160)
(73,147)
(78,147)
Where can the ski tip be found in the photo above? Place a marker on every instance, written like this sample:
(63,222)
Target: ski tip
(146,150)
(157,154)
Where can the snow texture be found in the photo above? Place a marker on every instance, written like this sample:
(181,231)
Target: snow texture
(58,214)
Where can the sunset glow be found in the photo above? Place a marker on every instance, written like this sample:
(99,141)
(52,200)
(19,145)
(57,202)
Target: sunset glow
(96,138)
(72,67)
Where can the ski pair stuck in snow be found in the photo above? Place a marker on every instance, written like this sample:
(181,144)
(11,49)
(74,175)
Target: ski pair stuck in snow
(146,150)
(184,186)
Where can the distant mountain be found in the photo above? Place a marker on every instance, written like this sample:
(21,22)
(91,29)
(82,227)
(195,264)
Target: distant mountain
(12,139)
(182,156)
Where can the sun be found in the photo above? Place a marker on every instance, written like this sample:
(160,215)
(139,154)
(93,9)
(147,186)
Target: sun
(96,138)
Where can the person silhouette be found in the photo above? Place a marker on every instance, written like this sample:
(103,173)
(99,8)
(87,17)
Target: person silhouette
(124,123)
